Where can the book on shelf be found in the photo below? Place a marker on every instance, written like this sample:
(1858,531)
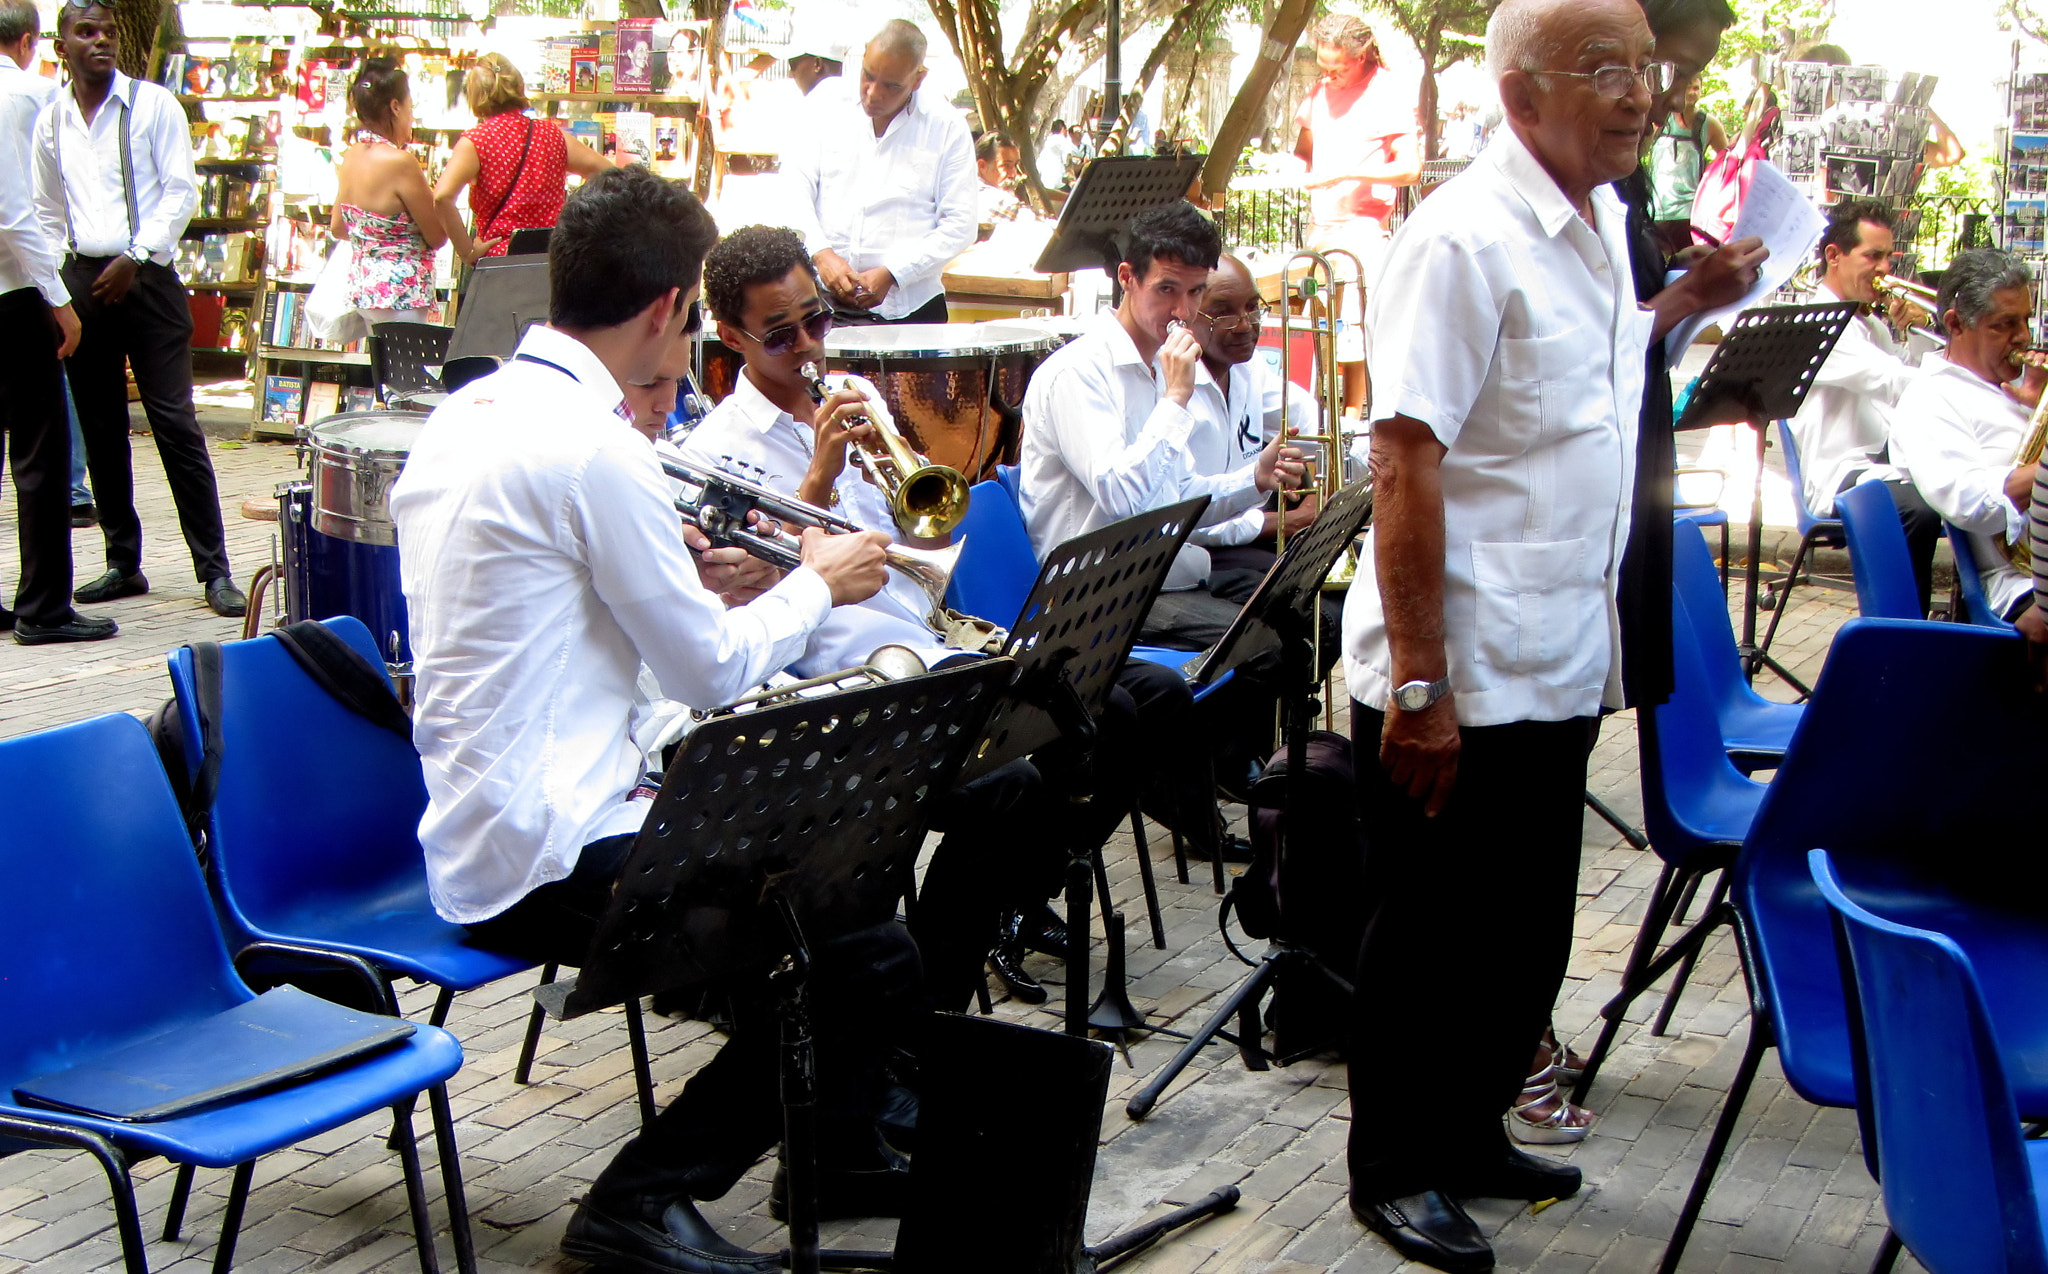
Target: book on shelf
(583,70)
(359,398)
(634,66)
(323,399)
(607,62)
(635,131)
(281,402)
(589,132)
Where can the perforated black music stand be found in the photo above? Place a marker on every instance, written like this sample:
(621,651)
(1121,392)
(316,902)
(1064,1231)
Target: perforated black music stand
(1075,630)
(1280,616)
(1765,364)
(1112,191)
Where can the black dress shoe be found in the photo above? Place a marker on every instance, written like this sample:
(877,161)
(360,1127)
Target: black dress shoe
(1050,935)
(1430,1228)
(1511,1174)
(1006,961)
(843,1194)
(6,619)
(225,598)
(84,515)
(77,628)
(110,586)
(648,1237)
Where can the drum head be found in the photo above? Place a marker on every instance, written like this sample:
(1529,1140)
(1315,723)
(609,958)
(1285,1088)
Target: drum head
(908,340)
(391,433)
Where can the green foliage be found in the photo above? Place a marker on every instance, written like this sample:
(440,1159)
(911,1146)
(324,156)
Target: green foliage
(1764,30)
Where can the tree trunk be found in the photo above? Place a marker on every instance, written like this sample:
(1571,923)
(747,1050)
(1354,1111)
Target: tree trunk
(1425,105)
(1290,19)
(714,53)
(135,22)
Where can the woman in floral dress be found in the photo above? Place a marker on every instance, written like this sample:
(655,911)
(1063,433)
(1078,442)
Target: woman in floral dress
(384,205)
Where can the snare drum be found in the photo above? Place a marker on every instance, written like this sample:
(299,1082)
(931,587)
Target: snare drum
(326,576)
(955,389)
(356,458)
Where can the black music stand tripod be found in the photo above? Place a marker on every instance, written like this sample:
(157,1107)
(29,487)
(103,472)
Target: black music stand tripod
(1281,615)
(1075,630)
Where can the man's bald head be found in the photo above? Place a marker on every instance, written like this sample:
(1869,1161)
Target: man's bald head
(898,38)
(1531,35)
(1229,267)
(1232,298)
(1546,55)
(891,68)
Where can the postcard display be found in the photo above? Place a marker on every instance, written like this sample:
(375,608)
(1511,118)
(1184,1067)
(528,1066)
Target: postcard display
(2023,208)
(266,89)
(1858,132)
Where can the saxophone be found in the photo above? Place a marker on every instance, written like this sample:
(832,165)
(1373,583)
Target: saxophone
(2029,452)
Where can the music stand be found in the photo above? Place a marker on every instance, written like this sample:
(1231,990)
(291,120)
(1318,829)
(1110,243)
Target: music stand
(506,296)
(1112,191)
(1075,630)
(1281,615)
(1766,364)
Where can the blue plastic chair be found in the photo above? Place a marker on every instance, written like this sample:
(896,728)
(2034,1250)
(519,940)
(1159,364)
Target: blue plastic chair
(1754,730)
(1976,607)
(1697,808)
(327,853)
(1878,556)
(111,941)
(1813,529)
(1862,780)
(1961,1185)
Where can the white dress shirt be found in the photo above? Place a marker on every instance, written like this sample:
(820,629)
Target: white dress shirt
(1527,364)
(85,207)
(543,563)
(904,201)
(1102,442)
(1233,423)
(28,259)
(1846,419)
(1957,434)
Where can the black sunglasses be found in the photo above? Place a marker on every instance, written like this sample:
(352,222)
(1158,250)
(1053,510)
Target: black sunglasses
(782,340)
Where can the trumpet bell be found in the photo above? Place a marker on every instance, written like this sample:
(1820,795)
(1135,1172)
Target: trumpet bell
(931,503)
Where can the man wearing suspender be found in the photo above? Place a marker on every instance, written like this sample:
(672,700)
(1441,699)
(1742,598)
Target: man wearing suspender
(114,183)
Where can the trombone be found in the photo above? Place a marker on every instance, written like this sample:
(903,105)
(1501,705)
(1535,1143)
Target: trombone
(1917,296)
(1325,478)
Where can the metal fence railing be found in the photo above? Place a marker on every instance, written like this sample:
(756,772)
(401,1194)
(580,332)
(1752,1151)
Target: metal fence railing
(1273,220)
(1938,226)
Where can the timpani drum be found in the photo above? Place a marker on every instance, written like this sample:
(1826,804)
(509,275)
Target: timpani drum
(340,543)
(955,389)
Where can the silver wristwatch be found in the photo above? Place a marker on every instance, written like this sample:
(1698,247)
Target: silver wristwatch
(1414,696)
(137,253)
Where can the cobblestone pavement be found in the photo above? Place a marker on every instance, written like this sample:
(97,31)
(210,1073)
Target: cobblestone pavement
(1793,1193)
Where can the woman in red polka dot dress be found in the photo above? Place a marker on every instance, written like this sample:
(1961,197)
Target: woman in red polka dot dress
(515,167)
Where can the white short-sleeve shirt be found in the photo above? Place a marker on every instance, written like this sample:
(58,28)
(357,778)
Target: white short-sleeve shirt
(1510,327)
(1957,434)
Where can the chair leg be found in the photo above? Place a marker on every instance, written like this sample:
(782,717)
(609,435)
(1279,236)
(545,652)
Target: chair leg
(1145,875)
(1717,1145)
(643,1074)
(1108,904)
(415,1186)
(231,1219)
(451,1180)
(1724,560)
(1887,1253)
(1785,596)
(1180,857)
(981,997)
(442,1003)
(1714,900)
(181,1192)
(523,1073)
(1647,938)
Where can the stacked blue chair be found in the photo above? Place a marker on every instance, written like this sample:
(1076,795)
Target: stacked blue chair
(1976,606)
(1911,726)
(1963,1189)
(326,852)
(1813,530)
(112,943)
(1754,730)
(1879,558)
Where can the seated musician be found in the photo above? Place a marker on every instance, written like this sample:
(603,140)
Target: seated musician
(544,565)
(1844,427)
(763,290)
(1961,422)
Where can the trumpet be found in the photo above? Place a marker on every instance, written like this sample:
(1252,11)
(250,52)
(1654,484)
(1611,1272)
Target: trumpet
(927,500)
(884,664)
(718,502)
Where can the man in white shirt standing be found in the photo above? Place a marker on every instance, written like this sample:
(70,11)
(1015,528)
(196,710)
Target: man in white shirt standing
(885,187)
(1053,154)
(1484,642)
(38,328)
(544,565)
(1960,423)
(1844,428)
(114,183)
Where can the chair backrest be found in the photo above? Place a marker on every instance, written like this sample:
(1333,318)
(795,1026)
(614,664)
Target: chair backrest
(1806,517)
(1970,582)
(1011,478)
(1957,1188)
(402,353)
(315,804)
(997,567)
(1878,556)
(110,936)
(1911,726)
(1698,588)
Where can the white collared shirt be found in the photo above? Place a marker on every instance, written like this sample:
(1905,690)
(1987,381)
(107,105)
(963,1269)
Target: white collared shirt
(1510,327)
(28,259)
(1102,443)
(89,190)
(1957,433)
(904,201)
(543,563)
(1233,423)
(1847,416)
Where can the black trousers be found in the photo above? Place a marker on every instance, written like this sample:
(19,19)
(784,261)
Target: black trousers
(150,331)
(34,429)
(932,311)
(1467,945)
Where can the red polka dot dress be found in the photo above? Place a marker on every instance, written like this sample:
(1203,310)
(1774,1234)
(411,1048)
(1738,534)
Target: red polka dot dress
(498,206)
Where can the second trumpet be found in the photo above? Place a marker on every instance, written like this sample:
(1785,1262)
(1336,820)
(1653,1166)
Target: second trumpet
(927,500)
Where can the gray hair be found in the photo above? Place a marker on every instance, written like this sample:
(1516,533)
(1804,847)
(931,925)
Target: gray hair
(1515,40)
(18,18)
(1343,31)
(898,36)
(1973,276)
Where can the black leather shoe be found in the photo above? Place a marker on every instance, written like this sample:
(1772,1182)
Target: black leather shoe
(6,619)
(1050,935)
(84,515)
(654,1239)
(1006,961)
(843,1194)
(1430,1228)
(1511,1174)
(110,586)
(225,598)
(77,628)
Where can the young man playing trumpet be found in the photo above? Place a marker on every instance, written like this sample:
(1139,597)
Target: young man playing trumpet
(1961,424)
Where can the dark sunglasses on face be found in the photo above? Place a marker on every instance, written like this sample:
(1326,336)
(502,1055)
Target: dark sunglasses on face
(782,340)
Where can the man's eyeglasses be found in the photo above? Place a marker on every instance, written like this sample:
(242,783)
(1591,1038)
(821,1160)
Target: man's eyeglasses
(1248,321)
(1615,81)
(781,340)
